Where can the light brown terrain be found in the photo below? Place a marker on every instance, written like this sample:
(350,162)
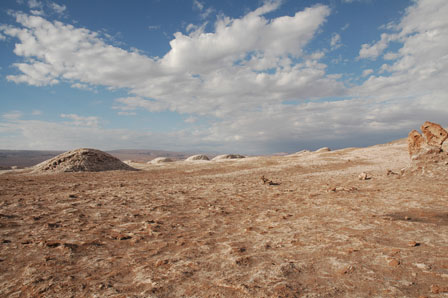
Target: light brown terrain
(215,229)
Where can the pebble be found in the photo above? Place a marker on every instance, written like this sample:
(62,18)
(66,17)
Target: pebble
(394,263)
(363,176)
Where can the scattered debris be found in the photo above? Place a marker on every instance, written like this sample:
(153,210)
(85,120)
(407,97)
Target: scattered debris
(268,181)
(340,188)
(390,173)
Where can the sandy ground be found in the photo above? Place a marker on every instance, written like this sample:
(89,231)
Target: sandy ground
(213,229)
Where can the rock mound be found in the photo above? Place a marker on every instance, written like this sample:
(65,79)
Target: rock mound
(198,157)
(160,160)
(228,156)
(82,160)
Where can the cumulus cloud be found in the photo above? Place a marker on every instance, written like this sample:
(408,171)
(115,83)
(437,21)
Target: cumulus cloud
(420,65)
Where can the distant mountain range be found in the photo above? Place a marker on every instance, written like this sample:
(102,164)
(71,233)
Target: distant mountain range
(28,158)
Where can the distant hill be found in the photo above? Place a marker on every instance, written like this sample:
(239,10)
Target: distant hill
(28,158)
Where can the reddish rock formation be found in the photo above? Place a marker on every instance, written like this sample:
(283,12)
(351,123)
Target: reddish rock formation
(434,134)
(415,142)
(431,141)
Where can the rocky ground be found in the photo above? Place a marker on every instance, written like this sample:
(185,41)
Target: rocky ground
(214,229)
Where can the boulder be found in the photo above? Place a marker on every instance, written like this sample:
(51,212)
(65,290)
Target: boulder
(434,134)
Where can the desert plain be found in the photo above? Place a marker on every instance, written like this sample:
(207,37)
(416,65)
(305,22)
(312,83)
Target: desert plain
(311,228)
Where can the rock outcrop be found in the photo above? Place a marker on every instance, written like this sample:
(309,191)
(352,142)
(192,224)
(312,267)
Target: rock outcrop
(429,150)
(432,141)
(228,156)
(160,160)
(434,134)
(323,149)
(82,160)
(198,157)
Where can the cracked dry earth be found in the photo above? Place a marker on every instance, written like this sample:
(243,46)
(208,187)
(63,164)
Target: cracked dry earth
(213,229)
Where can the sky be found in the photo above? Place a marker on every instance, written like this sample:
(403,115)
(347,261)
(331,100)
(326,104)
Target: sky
(237,76)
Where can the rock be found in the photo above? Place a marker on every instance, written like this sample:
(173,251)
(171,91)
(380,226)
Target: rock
(228,156)
(413,244)
(363,176)
(323,149)
(415,142)
(434,134)
(198,157)
(394,263)
(426,150)
(82,160)
(436,289)
(160,160)
(445,146)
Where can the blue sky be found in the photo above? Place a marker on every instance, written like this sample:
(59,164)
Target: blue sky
(254,77)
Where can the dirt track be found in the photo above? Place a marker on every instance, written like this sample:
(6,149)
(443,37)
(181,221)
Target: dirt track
(213,229)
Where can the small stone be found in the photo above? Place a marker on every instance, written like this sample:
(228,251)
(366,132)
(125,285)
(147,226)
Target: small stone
(394,263)
(435,289)
(413,244)
(363,176)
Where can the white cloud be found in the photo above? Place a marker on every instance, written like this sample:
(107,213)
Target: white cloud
(57,8)
(240,76)
(421,64)
(367,72)
(198,5)
(153,27)
(191,119)
(36,112)
(90,121)
(376,49)
(13,115)
(35,4)
(391,56)
(335,41)
(124,113)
